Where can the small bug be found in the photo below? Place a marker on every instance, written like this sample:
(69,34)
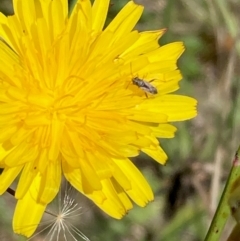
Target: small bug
(144,85)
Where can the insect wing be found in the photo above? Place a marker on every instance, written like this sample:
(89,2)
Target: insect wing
(149,88)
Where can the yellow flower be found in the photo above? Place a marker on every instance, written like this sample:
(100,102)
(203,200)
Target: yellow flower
(68,105)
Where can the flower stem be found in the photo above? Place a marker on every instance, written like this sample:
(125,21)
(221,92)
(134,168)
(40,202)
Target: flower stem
(222,213)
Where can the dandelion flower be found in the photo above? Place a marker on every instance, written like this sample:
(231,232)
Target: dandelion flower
(68,105)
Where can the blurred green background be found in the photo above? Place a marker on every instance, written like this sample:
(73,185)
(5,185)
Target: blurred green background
(188,188)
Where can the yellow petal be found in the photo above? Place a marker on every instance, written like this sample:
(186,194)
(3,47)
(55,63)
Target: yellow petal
(83,7)
(164,130)
(27,176)
(4,152)
(25,11)
(28,213)
(147,116)
(157,153)
(99,14)
(122,194)
(50,182)
(101,164)
(114,204)
(176,107)
(171,51)
(126,19)
(121,177)
(59,15)
(17,153)
(7,177)
(141,193)
(144,44)
(57,128)
(90,183)
(8,61)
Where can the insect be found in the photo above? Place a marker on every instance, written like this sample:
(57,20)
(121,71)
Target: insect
(144,85)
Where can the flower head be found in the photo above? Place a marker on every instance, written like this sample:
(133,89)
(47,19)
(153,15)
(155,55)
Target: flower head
(69,106)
